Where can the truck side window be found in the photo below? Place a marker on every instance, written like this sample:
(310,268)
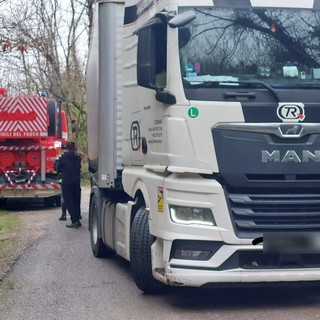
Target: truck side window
(152,55)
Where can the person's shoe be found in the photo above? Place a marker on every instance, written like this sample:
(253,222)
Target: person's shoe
(63,218)
(74,225)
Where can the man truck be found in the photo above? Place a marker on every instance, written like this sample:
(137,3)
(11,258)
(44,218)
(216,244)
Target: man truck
(204,140)
(32,130)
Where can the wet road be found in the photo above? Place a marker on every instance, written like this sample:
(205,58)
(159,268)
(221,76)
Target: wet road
(57,277)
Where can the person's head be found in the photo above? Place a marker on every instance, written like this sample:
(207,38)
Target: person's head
(71,146)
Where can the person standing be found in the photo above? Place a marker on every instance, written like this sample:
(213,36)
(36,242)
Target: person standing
(69,164)
(63,209)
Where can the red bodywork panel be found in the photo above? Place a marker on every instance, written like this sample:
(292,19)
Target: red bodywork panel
(23,117)
(24,139)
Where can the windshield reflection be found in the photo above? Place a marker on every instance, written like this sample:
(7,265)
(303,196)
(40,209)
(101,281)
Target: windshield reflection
(279,47)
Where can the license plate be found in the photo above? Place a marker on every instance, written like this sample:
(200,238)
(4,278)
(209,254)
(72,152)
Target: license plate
(291,243)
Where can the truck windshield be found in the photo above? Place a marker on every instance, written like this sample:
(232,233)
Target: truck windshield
(229,47)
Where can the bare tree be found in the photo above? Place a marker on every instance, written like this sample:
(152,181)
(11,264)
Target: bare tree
(89,5)
(44,47)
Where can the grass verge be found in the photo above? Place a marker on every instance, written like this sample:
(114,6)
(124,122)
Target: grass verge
(9,226)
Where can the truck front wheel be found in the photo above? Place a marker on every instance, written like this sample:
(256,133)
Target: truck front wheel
(140,255)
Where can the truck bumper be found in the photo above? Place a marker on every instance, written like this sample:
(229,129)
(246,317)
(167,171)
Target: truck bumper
(196,278)
(44,192)
(239,265)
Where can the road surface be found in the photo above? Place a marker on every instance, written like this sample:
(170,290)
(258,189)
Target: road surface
(58,278)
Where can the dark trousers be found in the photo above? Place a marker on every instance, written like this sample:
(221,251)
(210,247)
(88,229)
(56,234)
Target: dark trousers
(72,198)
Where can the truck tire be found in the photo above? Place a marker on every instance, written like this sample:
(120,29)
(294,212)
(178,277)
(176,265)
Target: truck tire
(99,249)
(52,115)
(49,202)
(52,201)
(140,255)
(3,201)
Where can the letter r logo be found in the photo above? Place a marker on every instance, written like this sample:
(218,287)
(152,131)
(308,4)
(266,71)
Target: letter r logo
(291,112)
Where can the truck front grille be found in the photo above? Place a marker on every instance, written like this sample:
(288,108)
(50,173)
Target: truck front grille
(254,214)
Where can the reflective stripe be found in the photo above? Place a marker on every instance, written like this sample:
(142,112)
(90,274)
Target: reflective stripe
(47,186)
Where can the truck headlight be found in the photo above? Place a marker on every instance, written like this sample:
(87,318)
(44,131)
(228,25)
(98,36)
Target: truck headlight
(188,215)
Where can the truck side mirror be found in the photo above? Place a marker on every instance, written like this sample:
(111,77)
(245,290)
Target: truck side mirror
(152,58)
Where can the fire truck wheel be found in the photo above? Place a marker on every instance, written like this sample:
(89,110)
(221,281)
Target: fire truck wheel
(99,249)
(3,201)
(49,202)
(140,255)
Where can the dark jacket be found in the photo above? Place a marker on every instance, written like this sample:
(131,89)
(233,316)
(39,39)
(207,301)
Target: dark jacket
(69,164)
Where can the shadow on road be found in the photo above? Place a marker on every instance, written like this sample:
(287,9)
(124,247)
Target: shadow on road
(244,298)
(13,205)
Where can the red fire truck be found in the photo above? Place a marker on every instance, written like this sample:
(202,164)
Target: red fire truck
(32,130)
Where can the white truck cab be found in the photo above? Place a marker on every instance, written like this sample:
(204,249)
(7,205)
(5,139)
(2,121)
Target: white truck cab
(203,137)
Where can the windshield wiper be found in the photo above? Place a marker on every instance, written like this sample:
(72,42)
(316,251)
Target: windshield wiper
(211,81)
(253,83)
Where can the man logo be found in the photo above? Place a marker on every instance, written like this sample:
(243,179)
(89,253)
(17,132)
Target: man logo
(291,112)
(291,130)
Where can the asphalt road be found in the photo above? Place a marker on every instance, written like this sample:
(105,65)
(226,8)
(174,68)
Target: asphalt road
(58,278)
